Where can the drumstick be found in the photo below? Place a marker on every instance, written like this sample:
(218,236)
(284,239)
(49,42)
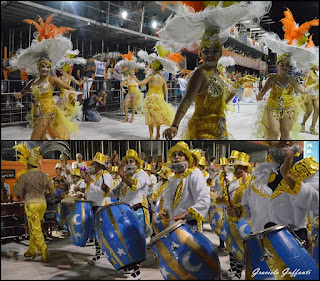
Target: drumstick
(227,185)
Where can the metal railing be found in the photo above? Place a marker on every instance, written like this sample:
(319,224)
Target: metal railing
(14,114)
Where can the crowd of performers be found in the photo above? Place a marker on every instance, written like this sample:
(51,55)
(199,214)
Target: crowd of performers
(266,216)
(191,27)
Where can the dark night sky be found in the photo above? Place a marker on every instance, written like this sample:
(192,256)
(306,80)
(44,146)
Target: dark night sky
(302,11)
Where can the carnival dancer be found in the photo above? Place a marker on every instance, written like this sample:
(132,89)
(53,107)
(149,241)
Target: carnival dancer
(282,190)
(43,54)
(78,186)
(232,194)
(134,97)
(279,114)
(67,101)
(32,185)
(186,195)
(209,21)
(98,186)
(157,110)
(312,100)
(133,190)
(248,95)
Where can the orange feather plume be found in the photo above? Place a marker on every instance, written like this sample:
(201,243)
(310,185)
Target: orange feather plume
(47,29)
(310,43)
(176,57)
(196,5)
(127,56)
(291,31)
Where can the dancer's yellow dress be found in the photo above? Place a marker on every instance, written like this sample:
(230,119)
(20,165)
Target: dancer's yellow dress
(71,106)
(134,89)
(157,110)
(281,101)
(209,118)
(248,91)
(44,106)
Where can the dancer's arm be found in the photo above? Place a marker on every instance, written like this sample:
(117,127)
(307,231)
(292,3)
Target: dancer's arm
(124,83)
(144,81)
(25,90)
(266,87)
(56,81)
(301,89)
(74,80)
(193,87)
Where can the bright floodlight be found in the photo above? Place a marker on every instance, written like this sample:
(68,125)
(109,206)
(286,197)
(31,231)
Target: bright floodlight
(124,14)
(154,24)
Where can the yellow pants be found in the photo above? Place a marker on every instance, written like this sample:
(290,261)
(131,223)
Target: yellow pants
(35,213)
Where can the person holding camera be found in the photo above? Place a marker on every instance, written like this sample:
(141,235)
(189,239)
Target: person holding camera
(90,106)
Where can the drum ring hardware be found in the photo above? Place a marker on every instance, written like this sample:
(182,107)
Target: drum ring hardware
(301,242)
(265,253)
(174,246)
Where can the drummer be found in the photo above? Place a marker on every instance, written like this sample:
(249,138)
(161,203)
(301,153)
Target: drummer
(232,193)
(133,189)
(98,186)
(283,189)
(152,181)
(116,179)
(78,186)
(187,196)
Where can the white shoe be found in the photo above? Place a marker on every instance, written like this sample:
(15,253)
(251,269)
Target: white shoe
(19,104)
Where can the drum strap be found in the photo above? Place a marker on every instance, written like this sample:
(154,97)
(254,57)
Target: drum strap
(136,206)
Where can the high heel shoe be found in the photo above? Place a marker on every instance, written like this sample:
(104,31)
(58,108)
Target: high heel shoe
(313,131)
(303,129)
(158,137)
(27,254)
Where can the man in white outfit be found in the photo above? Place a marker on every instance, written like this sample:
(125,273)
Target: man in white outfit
(187,195)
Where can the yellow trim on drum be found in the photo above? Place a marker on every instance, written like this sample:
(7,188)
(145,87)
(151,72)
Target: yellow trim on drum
(116,228)
(105,243)
(185,238)
(172,262)
(276,264)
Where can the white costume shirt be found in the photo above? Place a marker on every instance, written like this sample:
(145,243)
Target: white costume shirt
(80,184)
(195,194)
(133,197)
(152,179)
(64,173)
(77,165)
(94,191)
(285,208)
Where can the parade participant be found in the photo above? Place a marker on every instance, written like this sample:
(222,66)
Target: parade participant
(132,190)
(152,186)
(134,96)
(210,93)
(65,167)
(60,183)
(40,58)
(312,100)
(279,114)
(157,110)
(114,171)
(283,189)
(79,163)
(68,100)
(78,186)
(248,95)
(32,185)
(232,194)
(186,196)
(98,186)
(165,174)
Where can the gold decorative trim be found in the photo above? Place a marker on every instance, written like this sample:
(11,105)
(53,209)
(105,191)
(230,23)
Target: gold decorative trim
(301,171)
(159,191)
(179,190)
(196,215)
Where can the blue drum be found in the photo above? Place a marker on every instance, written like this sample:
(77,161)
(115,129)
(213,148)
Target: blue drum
(121,235)
(315,239)
(186,254)
(157,224)
(216,218)
(232,233)
(63,215)
(81,222)
(274,253)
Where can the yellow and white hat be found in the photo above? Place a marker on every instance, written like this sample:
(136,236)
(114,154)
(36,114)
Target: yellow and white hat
(184,148)
(75,172)
(242,160)
(100,158)
(133,154)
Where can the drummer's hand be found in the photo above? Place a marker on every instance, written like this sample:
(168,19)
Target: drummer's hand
(209,181)
(170,133)
(18,96)
(179,217)
(233,211)
(162,214)
(285,168)
(104,188)
(219,199)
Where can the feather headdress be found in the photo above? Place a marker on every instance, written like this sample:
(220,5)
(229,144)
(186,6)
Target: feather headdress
(129,61)
(47,29)
(292,30)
